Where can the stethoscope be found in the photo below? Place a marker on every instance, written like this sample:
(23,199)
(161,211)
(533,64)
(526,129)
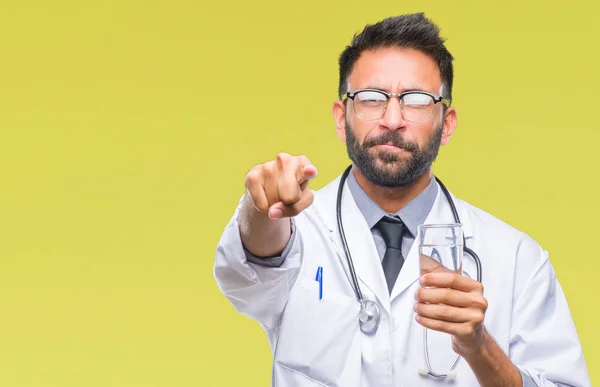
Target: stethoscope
(369,315)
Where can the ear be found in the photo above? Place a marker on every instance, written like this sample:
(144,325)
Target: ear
(449,125)
(339,114)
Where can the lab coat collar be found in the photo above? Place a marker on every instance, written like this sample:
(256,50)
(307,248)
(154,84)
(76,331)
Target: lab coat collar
(440,214)
(362,246)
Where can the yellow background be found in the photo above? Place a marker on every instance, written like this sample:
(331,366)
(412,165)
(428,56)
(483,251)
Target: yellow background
(126,129)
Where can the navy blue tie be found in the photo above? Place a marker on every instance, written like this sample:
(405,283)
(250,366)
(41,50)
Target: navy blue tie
(391,231)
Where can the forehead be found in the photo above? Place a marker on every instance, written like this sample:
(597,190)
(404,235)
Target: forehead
(395,69)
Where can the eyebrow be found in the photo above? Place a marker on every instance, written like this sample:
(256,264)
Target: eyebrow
(414,88)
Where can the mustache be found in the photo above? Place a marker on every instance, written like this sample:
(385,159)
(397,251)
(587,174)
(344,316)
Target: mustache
(391,138)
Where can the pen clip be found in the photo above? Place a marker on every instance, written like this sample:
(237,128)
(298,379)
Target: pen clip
(319,278)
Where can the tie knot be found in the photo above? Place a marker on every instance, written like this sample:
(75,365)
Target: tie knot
(391,231)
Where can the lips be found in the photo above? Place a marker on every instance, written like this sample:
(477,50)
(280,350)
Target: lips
(392,142)
(390,145)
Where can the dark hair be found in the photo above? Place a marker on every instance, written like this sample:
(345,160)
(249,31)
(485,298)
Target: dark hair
(406,31)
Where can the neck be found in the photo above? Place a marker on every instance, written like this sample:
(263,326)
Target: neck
(391,200)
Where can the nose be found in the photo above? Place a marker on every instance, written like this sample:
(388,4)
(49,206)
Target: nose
(393,119)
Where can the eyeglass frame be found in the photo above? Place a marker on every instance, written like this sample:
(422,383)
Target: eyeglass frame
(436,99)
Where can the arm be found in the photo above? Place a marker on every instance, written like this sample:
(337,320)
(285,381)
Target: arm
(275,191)
(261,235)
(544,342)
(246,269)
(451,303)
(544,347)
(256,287)
(492,367)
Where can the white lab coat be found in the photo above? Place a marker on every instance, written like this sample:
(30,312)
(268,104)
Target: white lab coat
(318,342)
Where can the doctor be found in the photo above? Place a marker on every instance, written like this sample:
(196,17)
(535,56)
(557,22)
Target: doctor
(281,259)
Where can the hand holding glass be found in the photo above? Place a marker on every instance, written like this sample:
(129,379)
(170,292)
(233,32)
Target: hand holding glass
(440,249)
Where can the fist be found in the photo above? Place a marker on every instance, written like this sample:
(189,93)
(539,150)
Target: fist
(280,186)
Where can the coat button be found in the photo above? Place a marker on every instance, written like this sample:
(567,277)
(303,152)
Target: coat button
(395,323)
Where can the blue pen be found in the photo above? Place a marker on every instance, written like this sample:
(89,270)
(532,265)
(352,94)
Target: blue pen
(319,278)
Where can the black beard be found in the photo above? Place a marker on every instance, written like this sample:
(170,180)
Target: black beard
(394,172)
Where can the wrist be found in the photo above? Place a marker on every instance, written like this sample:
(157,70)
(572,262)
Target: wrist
(481,351)
(491,365)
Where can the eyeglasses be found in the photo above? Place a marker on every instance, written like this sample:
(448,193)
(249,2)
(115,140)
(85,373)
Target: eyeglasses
(415,106)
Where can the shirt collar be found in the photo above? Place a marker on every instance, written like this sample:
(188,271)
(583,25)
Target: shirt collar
(412,215)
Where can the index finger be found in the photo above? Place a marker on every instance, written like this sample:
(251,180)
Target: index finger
(305,171)
(450,280)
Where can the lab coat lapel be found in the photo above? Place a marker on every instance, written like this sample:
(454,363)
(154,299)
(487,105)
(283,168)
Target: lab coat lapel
(359,238)
(440,213)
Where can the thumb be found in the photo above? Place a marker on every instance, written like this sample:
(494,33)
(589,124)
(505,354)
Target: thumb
(428,265)
(276,210)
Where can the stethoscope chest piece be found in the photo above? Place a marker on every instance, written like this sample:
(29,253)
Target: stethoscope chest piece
(369,316)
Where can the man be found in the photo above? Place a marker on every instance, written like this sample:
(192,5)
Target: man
(282,261)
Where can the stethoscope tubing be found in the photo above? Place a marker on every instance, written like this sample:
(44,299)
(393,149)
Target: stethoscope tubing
(355,284)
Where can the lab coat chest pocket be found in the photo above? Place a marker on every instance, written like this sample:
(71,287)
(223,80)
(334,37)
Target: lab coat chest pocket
(316,333)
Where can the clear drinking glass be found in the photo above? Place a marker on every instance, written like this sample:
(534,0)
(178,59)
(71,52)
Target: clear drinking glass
(440,247)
